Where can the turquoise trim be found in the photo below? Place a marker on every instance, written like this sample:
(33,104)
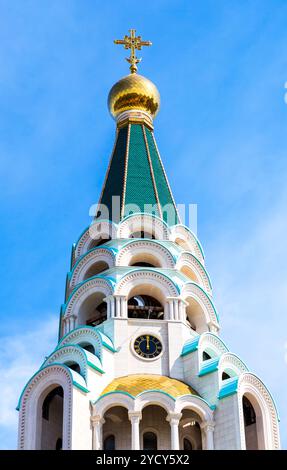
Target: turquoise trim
(72,259)
(152,270)
(229,388)
(90,364)
(89,226)
(94,329)
(200,263)
(39,370)
(190,346)
(110,348)
(98,276)
(110,249)
(210,366)
(80,387)
(212,407)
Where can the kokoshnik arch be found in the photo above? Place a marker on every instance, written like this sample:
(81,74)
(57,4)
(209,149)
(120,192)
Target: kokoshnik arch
(139,362)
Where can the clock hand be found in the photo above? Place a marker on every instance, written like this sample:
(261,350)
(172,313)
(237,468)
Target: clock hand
(147,342)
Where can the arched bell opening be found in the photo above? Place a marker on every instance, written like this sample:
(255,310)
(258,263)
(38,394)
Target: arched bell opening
(190,436)
(51,420)
(145,307)
(93,311)
(96,268)
(146,302)
(253,423)
(154,428)
(195,316)
(116,429)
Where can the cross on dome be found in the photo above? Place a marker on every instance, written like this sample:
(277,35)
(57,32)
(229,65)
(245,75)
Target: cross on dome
(133,42)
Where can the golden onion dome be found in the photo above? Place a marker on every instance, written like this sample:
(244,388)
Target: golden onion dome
(134,92)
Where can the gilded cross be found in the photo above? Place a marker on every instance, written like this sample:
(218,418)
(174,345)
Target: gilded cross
(133,42)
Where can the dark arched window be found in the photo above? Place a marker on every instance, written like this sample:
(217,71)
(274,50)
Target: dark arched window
(187,444)
(88,347)
(145,306)
(59,444)
(225,376)
(205,356)
(149,441)
(143,264)
(110,443)
(48,400)
(74,366)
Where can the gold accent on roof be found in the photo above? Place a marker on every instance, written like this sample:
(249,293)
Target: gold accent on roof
(138,383)
(133,43)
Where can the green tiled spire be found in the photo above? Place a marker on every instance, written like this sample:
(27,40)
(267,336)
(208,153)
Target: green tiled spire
(136,175)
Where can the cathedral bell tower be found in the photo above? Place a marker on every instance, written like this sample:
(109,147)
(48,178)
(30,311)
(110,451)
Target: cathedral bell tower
(139,362)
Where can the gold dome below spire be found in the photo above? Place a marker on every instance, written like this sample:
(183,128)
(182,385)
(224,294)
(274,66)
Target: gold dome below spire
(134,93)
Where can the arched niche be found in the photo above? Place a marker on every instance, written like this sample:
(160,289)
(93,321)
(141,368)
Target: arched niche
(118,425)
(96,268)
(154,428)
(51,419)
(190,431)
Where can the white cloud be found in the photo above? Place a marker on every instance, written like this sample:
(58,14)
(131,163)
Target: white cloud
(20,357)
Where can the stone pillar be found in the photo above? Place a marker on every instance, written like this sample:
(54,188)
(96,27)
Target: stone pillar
(173,419)
(135,417)
(182,310)
(207,428)
(121,306)
(97,425)
(170,307)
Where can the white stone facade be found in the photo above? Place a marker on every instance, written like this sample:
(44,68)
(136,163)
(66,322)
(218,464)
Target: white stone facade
(88,358)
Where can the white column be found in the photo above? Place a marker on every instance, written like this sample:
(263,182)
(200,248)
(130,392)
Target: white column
(118,306)
(97,424)
(175,309)
(182,310)
(112,306)
(208,427)
(173,419)
(170,305)
(135,417)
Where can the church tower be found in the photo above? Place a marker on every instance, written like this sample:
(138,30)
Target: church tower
(139,362)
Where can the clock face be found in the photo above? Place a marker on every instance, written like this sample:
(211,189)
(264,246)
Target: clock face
(147,346)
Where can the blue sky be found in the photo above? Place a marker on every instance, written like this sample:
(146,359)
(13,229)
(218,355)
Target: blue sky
(220,68)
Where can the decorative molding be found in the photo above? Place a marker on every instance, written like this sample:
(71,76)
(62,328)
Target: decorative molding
(193,290)
(87,260)
(250,384)
(183,233)
(141,276)
(189,260)
(135,222)
(27,428)
(146,246)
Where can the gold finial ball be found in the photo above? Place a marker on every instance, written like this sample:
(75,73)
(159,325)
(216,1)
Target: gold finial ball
(134,92)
